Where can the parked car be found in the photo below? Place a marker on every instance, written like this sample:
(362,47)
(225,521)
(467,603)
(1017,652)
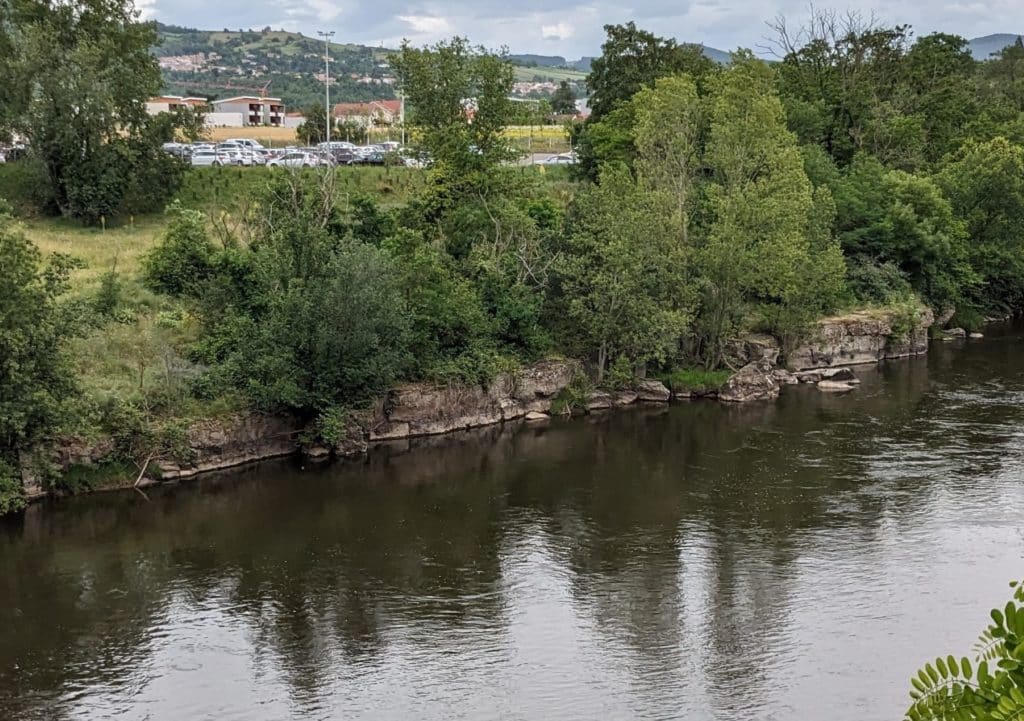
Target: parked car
(296,159)
(391,146)
(342,156)
(561,159)
(335,145)
(212,156)
(178,150)
(246,143)
(242,154)
(374,157)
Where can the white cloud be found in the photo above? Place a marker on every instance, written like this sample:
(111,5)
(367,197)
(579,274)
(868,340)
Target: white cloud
(558,31)
(426,24)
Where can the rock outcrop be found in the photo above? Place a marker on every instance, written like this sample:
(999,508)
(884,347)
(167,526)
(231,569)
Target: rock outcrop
(753,382)
(651,391)
(864,337)
(425,409)
(234,440)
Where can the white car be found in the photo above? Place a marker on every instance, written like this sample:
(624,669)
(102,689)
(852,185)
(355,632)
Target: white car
(295,160)
(212,156)
(335,145)
(247,143)
(562,159)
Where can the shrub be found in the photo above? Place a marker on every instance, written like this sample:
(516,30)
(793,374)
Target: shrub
(183,261)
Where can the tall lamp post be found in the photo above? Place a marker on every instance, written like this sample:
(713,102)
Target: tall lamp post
(327,35)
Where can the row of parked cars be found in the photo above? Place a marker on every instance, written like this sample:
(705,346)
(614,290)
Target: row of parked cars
(248,152)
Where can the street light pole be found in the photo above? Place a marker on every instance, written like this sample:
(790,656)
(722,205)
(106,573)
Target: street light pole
(327,80)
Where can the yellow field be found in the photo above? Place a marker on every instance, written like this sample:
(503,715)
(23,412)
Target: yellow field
(539,138)
(269,137)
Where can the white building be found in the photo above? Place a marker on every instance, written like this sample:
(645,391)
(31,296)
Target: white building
(168,103)
(253,109)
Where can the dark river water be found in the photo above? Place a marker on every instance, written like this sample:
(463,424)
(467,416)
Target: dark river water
(795,560)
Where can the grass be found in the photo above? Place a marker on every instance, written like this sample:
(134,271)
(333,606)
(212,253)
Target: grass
(98,249)
(525,74)
(695,379)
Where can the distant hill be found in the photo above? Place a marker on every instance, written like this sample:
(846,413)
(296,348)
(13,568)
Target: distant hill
(222,63)
(983,48)
(583,64)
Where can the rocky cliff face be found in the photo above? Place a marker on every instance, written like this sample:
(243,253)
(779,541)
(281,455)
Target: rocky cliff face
(423,409)
(864,337)
(232,441)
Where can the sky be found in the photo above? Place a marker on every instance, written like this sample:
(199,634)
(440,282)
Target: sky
(571,28)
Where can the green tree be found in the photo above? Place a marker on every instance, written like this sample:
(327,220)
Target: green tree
(324,324)
(632,58)
(840,82)
(890,216)
(622,273)
(767,244)
(984,182)
(36,380)
(77,77)
(670,131)
(457,102)
(989,688)
(312,130)
(563,100)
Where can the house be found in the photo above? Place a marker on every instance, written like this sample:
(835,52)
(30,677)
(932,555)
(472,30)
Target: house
(294,120)
(169,103)
(254,110)
(375,112)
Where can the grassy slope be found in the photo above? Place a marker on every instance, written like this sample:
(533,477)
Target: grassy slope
(147,351)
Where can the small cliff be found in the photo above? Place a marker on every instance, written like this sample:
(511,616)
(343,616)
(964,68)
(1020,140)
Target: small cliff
(425,409)
(863,337)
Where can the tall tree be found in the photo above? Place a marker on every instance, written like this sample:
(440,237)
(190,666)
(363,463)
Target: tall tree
(563,100)
(623,272)
(457,101)
(670,129)
(632,58)
(77,77)
(985,185)
(763,248)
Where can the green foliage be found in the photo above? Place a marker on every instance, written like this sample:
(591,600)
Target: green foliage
(989,688)
(621,271)
(985,186)
(573,398)
(12,495)
(697,380)
(437,81)
(768,240)
(322,322)
(563,100)
(889,216)
(183,261)
(314,128)
(36,381)
(77,77)
(632,58)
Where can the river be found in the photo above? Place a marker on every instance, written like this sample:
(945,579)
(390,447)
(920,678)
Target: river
(794,560)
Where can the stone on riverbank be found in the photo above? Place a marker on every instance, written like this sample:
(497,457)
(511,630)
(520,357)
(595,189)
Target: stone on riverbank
(754,381)
(600,401)
(652,391)
(836,386)
(534,416)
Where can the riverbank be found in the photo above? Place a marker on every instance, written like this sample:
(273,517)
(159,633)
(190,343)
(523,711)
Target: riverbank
(531,394)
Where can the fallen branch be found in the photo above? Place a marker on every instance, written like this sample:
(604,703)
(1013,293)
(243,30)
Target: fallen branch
(142,471)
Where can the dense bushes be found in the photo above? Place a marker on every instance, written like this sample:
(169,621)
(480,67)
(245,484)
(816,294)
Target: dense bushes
(36,381)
